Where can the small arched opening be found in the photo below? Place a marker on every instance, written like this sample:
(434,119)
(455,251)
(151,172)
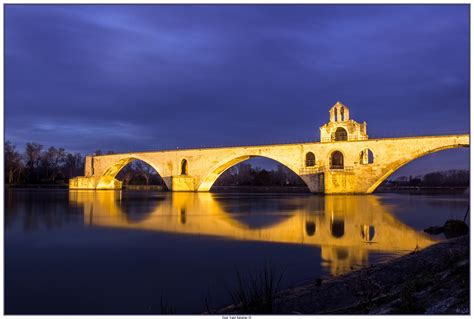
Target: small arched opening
(310,159)
(337,160)
(184,167)
(340,134)
(366,156)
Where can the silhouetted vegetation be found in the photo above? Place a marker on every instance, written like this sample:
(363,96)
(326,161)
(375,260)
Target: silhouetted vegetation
(450,178)
(166,308)
(256,293)
(38,165)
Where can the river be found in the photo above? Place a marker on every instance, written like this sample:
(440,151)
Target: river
(95,252)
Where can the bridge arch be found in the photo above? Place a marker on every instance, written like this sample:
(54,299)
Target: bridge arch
(398,164)
(219,169)
(116,167)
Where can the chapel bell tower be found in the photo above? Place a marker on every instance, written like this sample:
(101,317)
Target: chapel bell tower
(341,128)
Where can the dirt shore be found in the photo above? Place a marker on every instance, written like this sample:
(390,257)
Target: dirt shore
(434,280)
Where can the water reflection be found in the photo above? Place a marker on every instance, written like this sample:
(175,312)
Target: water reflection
(346,228)
(41,209)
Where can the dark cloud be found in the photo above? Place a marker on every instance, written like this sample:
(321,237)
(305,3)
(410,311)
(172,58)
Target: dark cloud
(133,77)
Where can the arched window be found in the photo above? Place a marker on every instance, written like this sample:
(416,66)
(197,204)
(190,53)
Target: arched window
(337,160)
(310,159)
(366,156)
(184,167)
(342,114)
(340,134)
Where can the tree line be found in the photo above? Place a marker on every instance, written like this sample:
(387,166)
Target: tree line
(54,165)
(449,178)
(40,165)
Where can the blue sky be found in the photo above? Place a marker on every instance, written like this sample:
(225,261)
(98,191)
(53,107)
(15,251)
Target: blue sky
(145,77)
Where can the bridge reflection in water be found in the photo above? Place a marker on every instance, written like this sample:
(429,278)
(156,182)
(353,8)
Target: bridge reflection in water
(346,227)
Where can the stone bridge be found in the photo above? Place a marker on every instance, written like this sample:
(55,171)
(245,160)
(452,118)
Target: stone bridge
(345,161)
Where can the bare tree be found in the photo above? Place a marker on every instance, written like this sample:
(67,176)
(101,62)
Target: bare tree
(33,158)
(128,174)
(13,164)
(144,170)
(52,162)
(73,164)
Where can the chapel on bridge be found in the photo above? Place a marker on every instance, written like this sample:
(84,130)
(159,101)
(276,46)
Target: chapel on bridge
(341,128)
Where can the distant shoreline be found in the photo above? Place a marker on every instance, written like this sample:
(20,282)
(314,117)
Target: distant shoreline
(414,190)
(424,190)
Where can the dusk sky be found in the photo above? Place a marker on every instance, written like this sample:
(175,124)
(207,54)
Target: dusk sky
(149,77)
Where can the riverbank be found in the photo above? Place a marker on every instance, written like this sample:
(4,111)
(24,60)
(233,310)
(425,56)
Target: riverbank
(434,280)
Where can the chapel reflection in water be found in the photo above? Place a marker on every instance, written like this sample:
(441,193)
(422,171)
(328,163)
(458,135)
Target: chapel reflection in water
(347,228)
